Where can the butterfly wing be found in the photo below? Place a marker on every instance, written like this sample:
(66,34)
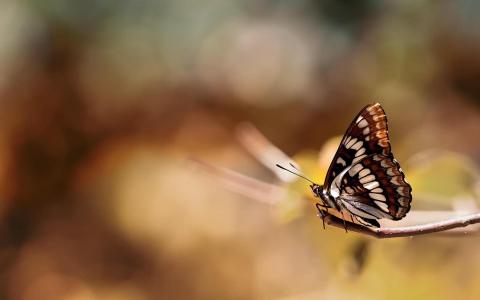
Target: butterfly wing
(367,134)
(375,188)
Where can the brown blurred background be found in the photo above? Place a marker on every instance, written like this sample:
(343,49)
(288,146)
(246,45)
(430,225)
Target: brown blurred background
(103,102)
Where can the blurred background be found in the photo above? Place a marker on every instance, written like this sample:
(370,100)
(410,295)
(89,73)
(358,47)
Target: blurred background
(103,103)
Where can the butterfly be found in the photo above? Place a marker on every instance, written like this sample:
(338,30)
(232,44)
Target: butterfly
(364,180)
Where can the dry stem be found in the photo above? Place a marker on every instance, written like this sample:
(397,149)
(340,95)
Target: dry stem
(391,232)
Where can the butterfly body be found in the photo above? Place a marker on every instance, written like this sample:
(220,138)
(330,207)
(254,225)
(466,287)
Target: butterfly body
(364,180)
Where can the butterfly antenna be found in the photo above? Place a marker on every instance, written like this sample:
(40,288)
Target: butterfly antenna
(294,173)
(293,166)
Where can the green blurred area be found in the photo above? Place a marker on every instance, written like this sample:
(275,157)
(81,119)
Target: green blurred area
(102,102)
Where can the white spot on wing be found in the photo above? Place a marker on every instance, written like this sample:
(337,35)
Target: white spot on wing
(357,159)
(360,152)
(384,163)
(341,161)
(397,180)
(350,143)
(347,140)
(363,123)
(357,145)
(390,172)
(371,185)
(367,179)
(364,172)
(355,169)
(403,190)
(377,190)
(382,205)
(366,131)
(376,196)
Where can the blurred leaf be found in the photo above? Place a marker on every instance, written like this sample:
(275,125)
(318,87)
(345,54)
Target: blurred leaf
(442,175)
(315,167)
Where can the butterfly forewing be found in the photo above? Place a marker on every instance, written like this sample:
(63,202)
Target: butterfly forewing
(367,134)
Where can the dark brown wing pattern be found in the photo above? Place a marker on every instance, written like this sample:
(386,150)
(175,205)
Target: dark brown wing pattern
(375,188)
(367,134)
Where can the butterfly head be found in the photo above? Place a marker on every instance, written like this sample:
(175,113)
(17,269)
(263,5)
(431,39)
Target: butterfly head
(317,190)
(322,194)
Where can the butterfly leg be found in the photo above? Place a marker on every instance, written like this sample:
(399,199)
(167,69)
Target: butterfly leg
(320,208)
(344,222)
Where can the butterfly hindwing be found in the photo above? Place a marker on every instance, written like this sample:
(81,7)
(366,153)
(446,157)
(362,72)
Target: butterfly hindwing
(367,134)
(375,188)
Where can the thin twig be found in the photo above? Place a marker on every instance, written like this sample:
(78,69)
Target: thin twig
(391,232)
